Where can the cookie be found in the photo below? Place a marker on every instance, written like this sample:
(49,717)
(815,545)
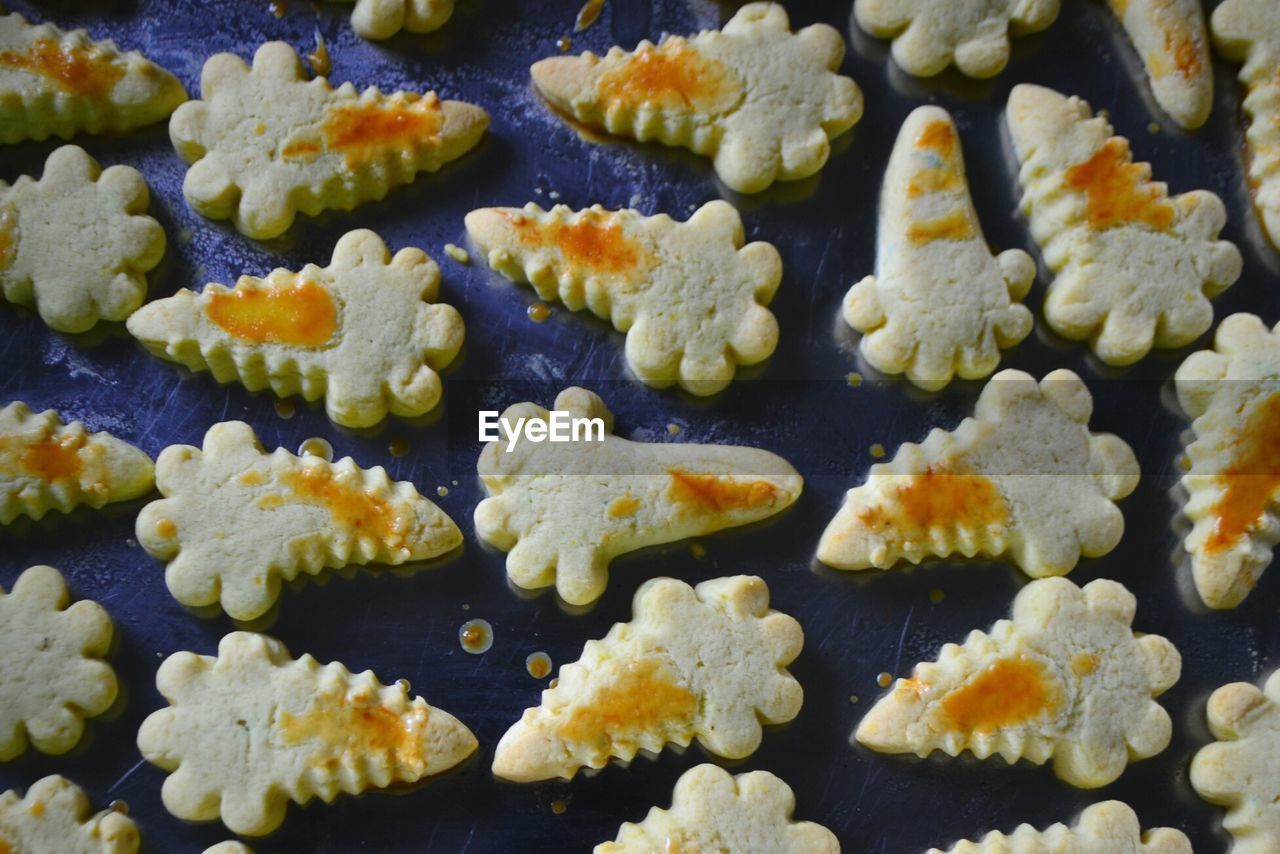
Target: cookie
(1023,479)
(1134,267)
(689,295)
(762,101)
(252,729)
(47,465)
(1108,826)
(1170,38)
(229,847)
(266,143)
(708,662)
(940,304)
(382,19)
(101,215)
(1066,679)
(929,35)
(235,522)
(54,817)
(713,811)
(364,332)
(52,674)
(564,510)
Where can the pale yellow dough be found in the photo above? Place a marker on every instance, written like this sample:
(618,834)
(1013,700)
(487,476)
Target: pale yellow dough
(54,818)
(1109,826)
(382,19)
(1170,38)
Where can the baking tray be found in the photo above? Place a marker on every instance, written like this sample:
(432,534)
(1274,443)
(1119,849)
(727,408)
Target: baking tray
(404,622)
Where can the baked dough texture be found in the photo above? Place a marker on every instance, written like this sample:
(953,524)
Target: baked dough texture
(764,102)
(231,846)
(1066,679)
(235,522)
(1170,38)
(714,811)
(940,304)
(1023,479)
(252,729)
(382,19)
(364,332)
(1110,826)
(564,510)
(689,295)
(708,662)
(1134,267)
(266,143)
(54,816)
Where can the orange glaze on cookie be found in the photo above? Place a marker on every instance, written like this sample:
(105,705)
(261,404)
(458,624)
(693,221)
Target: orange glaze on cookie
(1119,192)
(1252,480)
(938,498)
(1009,692)
(50,458)
(301,315)
(84,71)
(1084,663)
(354,509)
(594,241)
(351,728)
(718,494)
(5,847)
(955,225)
(622,507)
(1179,45)
(938,137)
(671,76)
(362,131)
(8,245)
(644,699)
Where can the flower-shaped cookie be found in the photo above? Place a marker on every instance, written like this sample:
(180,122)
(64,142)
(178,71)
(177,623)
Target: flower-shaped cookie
(1110,826)
(1066,679)
(689,295)
(236,521)
(54,817)
(761,100)
(382,19)
(362,332)
(1024,478)
(252,729)
(1170,37)
(266,142)
(565,509)
(231,846)
(708,661)
(1134,267)
(940,304)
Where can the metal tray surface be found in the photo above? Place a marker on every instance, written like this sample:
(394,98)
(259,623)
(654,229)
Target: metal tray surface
(404,622)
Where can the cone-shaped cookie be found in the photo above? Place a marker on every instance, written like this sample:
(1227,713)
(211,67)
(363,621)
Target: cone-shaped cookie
(54,816)
(1170,37)
(382,19)
(1110,826)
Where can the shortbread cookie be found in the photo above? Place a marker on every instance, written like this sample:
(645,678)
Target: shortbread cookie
(1023,479)
(382,19)
(266,142)
(1134,267)
(47,465)
(229,847)
(929,35)
(54,817)
(363,332)
(708,661)
(565,509)
(1233,394)
(713,811)
(52,673)
(1170,37)
(1110,826)
(235,522)
(252,729)
(1066,679)
(939,304)
(761,100)
(689,295)
(77,244)
(55,83)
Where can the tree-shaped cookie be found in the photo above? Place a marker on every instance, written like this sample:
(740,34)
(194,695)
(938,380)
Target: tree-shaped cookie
(1024,479)
(55,83)
(708,662)
(689,295)
(714,811)
(1134,266)
(382,19)
(52,675)
(266,142)
(762,101)
(929,35)
(101,217)
(1066,679)
(1110,826)
(47,465)
(940,304)
(565,509)
(363,332)
(55,816)
(252,729)
(1170,37)
(235,522)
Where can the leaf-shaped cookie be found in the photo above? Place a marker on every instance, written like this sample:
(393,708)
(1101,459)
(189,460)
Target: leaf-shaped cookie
(689,295)
(266,142)
(1170,37)
(54,816)
(362,332)
(713,811)
(1110,826)
(708,661)
(1066,679)
(382,19)
(236,521)
(52,673)
(1023,479)
(761,100)
(252,729)
(1134,267)
(939,304)
(565,509)
(62,83)
(46,465)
